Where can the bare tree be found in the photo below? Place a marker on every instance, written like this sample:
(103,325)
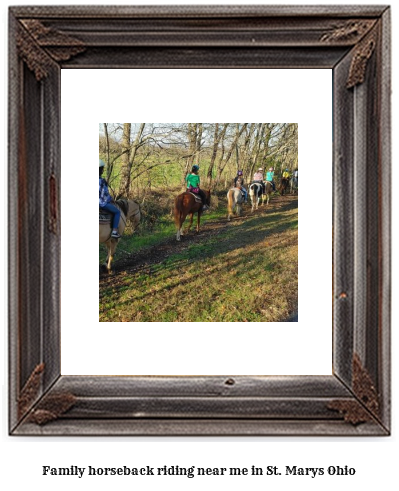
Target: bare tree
(198,142)
(218,137)
(131,153)
(138,154)
(224,162)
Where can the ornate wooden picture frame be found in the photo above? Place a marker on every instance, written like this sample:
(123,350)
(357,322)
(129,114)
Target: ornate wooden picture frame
(352,41)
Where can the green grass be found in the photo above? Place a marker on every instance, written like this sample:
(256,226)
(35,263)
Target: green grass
(153,233)
(136,242)
(246,273)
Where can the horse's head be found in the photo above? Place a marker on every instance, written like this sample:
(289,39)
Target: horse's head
(208,197)
(133,212)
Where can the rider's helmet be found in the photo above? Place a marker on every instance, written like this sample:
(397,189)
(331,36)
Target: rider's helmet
(102,163)
(271,169)
(286,170)
(195,168)
(239,173)
(260,169)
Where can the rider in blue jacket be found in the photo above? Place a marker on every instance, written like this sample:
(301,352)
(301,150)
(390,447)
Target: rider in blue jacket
(106,203)
(239,183)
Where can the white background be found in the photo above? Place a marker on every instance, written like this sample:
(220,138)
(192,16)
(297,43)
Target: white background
(375,459)
(303,348)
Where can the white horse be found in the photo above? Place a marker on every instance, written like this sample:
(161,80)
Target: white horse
(256,194)
(234,202)
(130,210)
(294,185)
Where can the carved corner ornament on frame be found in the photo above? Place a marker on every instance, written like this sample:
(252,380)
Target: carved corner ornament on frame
(353,42)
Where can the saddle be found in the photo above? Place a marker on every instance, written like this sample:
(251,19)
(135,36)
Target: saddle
(196,196)
(260,183)
(107,217)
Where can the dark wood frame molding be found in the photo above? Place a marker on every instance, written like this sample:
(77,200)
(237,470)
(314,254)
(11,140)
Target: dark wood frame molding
(352,41)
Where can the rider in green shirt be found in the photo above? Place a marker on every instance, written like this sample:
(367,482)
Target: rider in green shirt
(270,177)
(193,180)
(193,185)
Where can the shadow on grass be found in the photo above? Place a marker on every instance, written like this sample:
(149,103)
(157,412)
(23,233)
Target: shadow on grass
(181,277)
(251,232)
(235,237)
(136,246)
(213,271)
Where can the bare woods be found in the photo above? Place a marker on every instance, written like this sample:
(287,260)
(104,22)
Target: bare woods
(142,157)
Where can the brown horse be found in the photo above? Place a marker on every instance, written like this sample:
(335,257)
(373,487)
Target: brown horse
(186,204)
(284,183)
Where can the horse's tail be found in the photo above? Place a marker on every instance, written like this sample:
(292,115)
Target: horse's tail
(251,190)
(137,217)
(230,202)
(179,211)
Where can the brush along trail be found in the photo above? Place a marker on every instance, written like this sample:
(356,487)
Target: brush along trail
(244,270)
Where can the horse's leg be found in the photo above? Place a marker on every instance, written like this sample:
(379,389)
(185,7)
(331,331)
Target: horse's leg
(191,222)
(112,250)
(110,256)
(198,222)
(180,233)
(107,263)
(104,266)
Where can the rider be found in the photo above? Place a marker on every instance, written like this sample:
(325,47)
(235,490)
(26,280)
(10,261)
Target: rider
(239,183)
(270,177)
(258,178)
(193,185)
(106,203)
(286,174)
(296,177)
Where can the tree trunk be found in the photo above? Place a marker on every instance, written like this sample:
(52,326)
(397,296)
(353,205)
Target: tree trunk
(246,153)
(218,137)
(125,156)
(230,152)
(192,147)
(258,145)
(198,143)
(127,170)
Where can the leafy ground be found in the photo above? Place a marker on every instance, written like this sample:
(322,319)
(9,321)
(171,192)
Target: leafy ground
(245,270)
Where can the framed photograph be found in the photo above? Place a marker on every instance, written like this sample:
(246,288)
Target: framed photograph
(353,44)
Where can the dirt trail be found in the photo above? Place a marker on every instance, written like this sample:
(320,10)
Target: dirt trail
(142,261)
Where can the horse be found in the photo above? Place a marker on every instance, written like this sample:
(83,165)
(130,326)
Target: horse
(130,210)
(268,192)
(294,185)
(256,194)
(187,204)
(284,183)
(234,202)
